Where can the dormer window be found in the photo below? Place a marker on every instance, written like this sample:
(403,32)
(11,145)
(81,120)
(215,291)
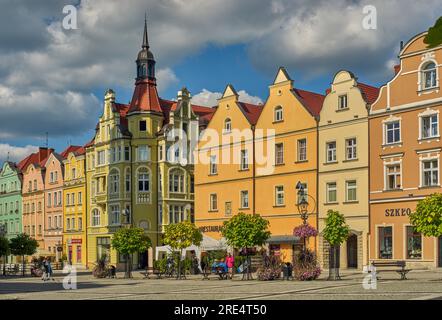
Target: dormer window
(278,114)
(227,126)
(429,75)
(342,102)
(143,126)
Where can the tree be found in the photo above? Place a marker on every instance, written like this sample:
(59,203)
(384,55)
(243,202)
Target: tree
(336,231)
(434,36)
(129,241)
(180,236)
(23,245)
(244,231)
(427,219)
(4,251)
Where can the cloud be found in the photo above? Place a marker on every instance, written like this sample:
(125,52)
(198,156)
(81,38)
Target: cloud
(16,154)
(165,78)
(210,99)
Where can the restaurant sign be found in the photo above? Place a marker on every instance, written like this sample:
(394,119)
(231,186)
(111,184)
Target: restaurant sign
(398,212)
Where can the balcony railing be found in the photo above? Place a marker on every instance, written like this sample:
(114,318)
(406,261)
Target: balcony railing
(143,197)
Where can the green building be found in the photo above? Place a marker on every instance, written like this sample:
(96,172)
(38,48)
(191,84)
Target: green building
(10,199)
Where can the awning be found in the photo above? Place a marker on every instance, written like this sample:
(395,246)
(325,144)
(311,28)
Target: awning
(283,239)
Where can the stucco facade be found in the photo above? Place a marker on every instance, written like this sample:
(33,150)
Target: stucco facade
(405,152)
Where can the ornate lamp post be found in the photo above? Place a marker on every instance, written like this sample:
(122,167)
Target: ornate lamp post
(303,204)
(3,232)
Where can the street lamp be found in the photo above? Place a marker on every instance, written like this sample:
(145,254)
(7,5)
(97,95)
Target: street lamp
(302,202)
(3,232)
(126,215)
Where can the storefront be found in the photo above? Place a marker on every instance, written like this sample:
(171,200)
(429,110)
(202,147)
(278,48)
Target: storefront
(394,238)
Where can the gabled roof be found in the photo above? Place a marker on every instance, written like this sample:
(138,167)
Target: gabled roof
(251,111)
(38,159)
(123,110)
(369,93)
(311,100)
(77,150)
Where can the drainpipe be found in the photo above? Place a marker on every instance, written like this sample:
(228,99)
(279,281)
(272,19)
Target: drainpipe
(253,171)
(317,181)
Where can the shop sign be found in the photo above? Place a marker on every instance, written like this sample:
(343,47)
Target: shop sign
(205,229)
(403,212)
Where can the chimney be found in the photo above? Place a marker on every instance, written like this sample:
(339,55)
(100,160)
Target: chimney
(43,153)
(397,68)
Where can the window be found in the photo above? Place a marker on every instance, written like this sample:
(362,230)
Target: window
(55,198)
(59,198)
(95,218)
(429,75)
(49,200)
(279,154)
(160,215)
(39,207)
(52,177)
(101,157)
(393,132)
(331,152)
(49,222)
(73,173)
(119,153)
(127,181)
(351,191)
(302,150)
(80,200)
(278,114)
(176,181)
(80,223)
(143,153)
(332,192)
(73,223)
(160,153)
(385,235)
(430,126)
(143,126)
(342,104)
(114,183)
(244,199)
(176,214)
(350,148)
(192,184)
(305,197)
(244,159)
(393,177)
(430,173)
(143,180)
(35,185)
(213,202)
(227,126)
(213,165)
(126,154)
(103,248)
(228,208)
(279,196)
(113,155)
(115,215)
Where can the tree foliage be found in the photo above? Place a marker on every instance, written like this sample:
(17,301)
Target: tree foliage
(4,247)
(336,231)
(427,219)
(129,241)
(245,230)
(182,235)
(23,245)
(434,36)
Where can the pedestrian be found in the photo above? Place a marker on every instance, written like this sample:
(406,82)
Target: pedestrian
(230,262)
(50,271)
(45,270)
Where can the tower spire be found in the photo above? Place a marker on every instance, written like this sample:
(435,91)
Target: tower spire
(145,38)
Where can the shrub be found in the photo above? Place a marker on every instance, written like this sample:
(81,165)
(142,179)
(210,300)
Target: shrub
(305,266)
(271,268)
(101,269)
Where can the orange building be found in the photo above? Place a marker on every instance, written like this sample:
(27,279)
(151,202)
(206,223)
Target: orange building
(33,168)
(250,159)
(405,149)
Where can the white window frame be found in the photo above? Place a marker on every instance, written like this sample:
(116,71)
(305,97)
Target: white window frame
(278,114)
(213,167)
(301,150)
(244,159)
(329,189)
(431,170)
(280,155)
(244,198)
(343,102)
(213,202)
(279,194)
(348,188)
(331,153)
(386,175)
(429,113)
(390,121)
(351,149)
(227,126)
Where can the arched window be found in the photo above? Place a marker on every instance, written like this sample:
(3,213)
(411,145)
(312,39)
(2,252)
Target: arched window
(227,125)
(127,180)
(114,184)
(95,217)
(278,116)
(143,180)
(429,75)
(176,181)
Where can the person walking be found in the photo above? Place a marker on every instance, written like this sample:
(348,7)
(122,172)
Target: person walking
(45,270)
(230,262)
(50,271)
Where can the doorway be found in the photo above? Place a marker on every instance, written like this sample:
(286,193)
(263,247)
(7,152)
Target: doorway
(439,264)
(352,252)
(143,260)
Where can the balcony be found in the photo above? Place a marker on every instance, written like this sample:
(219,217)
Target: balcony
(143,198)
(100,198)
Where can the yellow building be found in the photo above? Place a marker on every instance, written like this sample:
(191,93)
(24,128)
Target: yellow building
(75,207)
(273,147)
(344,165)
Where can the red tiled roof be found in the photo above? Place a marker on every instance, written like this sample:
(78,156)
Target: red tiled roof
(145,97)
(370,93)
(38,158)
(123,110)
(76,149)
(89,144)
(251,111)
(311,100)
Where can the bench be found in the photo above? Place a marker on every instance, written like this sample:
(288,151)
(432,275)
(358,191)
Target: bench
(396,266)
(152,271)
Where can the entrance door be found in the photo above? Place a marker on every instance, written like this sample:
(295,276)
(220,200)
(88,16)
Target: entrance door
(70,254)
(352,251)
(440,253)
(143,260)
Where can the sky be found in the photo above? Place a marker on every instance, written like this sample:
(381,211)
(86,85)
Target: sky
(53,79)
